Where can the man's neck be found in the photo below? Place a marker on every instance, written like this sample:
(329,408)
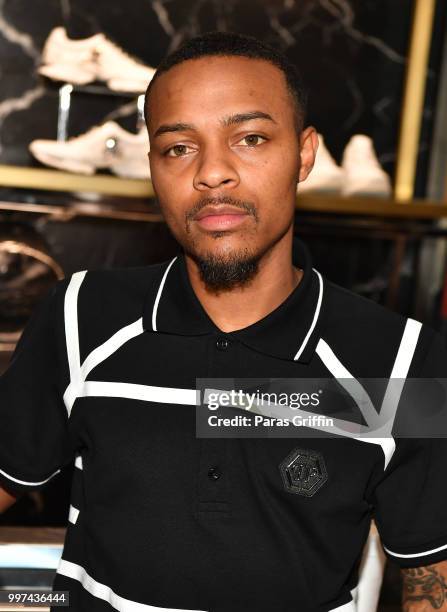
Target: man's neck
(242,306)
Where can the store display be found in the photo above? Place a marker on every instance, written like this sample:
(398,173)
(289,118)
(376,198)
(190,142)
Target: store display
(326,176)
(363,173)
(105,146)
(92,59)
(359,174)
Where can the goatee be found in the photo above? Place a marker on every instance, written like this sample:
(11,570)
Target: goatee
(225,273)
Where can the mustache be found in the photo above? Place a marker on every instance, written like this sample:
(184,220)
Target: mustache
(248,207)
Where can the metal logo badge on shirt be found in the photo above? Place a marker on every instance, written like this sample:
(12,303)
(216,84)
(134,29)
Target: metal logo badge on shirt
(303,472)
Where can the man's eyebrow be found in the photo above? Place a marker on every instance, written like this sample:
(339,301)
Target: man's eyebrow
(242,117)
(234,119)
(173,127)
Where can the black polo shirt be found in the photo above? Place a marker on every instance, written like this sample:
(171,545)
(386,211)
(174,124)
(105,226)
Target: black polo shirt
(105,375)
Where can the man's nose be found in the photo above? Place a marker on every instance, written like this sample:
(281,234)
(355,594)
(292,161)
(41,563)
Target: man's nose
(215,170)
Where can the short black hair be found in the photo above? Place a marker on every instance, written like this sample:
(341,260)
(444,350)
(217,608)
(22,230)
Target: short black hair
(232,44)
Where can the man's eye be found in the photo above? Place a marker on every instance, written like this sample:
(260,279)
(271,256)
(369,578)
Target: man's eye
(177,150)
(252,140)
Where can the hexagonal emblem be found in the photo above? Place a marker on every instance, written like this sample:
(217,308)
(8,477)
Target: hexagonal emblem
(303,472)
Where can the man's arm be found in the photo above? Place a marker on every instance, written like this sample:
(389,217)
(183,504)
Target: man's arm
(425,588)
(6,500)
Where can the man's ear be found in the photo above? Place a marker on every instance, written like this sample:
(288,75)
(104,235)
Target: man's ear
(308,151)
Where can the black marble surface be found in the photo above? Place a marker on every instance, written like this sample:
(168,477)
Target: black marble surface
(351,53)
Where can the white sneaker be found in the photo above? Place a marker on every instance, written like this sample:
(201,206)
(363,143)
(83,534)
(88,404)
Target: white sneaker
(129,151)
(105,146)
(363,173)
(325,176)
(120,71)
(92,59)
(72,61)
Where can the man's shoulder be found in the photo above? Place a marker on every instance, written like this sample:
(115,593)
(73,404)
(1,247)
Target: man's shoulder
(130,275)
(102,301)
(349,310)
(117,281)
(364,335)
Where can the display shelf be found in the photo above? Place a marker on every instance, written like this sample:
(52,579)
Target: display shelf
(369,206)
(58,180)
(84,209)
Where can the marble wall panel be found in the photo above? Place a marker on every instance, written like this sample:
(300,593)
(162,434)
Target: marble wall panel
(352,54)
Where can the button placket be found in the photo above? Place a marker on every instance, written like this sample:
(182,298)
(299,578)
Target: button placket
(213,499)
(222,343)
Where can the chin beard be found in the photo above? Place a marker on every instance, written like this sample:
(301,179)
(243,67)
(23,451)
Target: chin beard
(224,273)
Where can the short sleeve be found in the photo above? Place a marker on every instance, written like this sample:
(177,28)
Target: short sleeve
(410,499)
(34,436)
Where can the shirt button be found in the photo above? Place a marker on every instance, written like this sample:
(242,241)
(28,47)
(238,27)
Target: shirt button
(214,473)
(222,344)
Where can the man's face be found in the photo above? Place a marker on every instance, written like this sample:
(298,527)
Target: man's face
(225,156)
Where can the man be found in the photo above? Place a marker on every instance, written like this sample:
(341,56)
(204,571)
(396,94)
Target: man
(106,373)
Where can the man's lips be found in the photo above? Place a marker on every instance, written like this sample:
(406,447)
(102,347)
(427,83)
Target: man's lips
(220,217)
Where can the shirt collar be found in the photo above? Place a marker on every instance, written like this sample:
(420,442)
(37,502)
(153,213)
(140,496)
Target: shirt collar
(288,332)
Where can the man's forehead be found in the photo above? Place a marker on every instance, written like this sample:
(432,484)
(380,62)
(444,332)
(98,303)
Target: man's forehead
(218,86)
(221,65)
